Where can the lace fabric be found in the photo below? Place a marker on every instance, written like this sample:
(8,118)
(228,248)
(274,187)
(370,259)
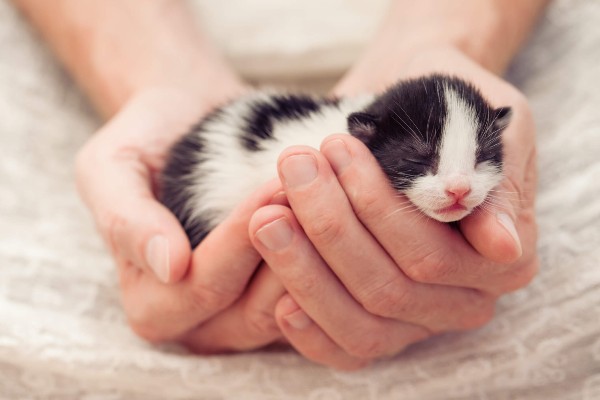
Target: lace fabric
(63,334)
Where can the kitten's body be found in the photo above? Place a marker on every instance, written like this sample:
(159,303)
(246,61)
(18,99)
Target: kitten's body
(432,137)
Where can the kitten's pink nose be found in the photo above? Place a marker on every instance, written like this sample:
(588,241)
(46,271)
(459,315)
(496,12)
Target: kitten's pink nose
(458,187)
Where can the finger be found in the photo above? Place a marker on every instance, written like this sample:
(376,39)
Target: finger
(284,247)
(491,230)
(359,261)
(427,251)
(247,324)
(310,340)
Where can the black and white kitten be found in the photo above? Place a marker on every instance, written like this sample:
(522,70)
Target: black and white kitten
(437,139)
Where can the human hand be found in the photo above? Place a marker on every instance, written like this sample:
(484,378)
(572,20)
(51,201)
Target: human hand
(168,291)
(364,279)
(516,193)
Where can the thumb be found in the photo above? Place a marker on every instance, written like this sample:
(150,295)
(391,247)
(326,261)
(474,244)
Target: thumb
(503,228)
(492,228)
(139,230)
(147,235)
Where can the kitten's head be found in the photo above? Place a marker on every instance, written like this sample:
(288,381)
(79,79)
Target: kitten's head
(439,142)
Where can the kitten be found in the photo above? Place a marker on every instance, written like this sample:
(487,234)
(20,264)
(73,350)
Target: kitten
(436,138)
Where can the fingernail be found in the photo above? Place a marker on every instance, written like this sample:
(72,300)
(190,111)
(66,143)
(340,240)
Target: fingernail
(299,170)
(338,155)
(157,257)
(275,235)
(508,224)
(295,317)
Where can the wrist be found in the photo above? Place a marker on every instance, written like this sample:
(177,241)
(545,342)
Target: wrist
(117,48)
(194,70)
(487,32)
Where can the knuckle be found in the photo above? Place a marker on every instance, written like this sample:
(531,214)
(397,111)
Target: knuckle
(390,300)
(430,268)
(368,348)
(367,345)
(209,299)
(520,276)
(367,204)
(260,322)
(306,285)
(325,229)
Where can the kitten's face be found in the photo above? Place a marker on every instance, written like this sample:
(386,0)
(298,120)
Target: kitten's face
(439,143)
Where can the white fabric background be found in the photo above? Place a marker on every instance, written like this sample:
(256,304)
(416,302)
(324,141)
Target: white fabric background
(62,331)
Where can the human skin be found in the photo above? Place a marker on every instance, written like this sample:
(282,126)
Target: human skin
(366,276)
(220,297)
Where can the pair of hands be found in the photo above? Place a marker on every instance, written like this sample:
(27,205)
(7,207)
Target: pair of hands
(348,276)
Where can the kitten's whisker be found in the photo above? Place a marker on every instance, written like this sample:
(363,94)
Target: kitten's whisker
(491,124)
(411,131)
(418,216)
(501,197)
(515,195)
(492,204)
(519,202)
(410,207)
(427,128)
(512,191)
(409,118)
(485,209)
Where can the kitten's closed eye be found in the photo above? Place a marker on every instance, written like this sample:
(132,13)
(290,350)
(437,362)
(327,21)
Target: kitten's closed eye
(422,162)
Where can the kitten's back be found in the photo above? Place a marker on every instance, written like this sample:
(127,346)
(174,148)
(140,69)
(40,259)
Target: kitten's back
(234,150)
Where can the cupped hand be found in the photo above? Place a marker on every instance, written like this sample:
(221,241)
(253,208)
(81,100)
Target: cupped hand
(168,291)
(367,275)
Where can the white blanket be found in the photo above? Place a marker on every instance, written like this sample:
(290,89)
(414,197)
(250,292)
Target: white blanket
(63,334)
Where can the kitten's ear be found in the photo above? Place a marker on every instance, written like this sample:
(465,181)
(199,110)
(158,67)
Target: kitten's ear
(502,118)
(362,125)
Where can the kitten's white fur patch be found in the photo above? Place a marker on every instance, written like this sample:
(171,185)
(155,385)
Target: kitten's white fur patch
(457,158)
(459,141)
(232,172)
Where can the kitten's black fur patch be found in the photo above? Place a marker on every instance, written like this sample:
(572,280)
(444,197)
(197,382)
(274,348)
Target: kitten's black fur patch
(403,127)
(278,108)
(181,167)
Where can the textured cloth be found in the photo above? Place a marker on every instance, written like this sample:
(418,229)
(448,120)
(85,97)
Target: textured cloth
(63,334)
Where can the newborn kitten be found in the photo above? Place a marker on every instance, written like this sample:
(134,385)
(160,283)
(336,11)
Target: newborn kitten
(437,139)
